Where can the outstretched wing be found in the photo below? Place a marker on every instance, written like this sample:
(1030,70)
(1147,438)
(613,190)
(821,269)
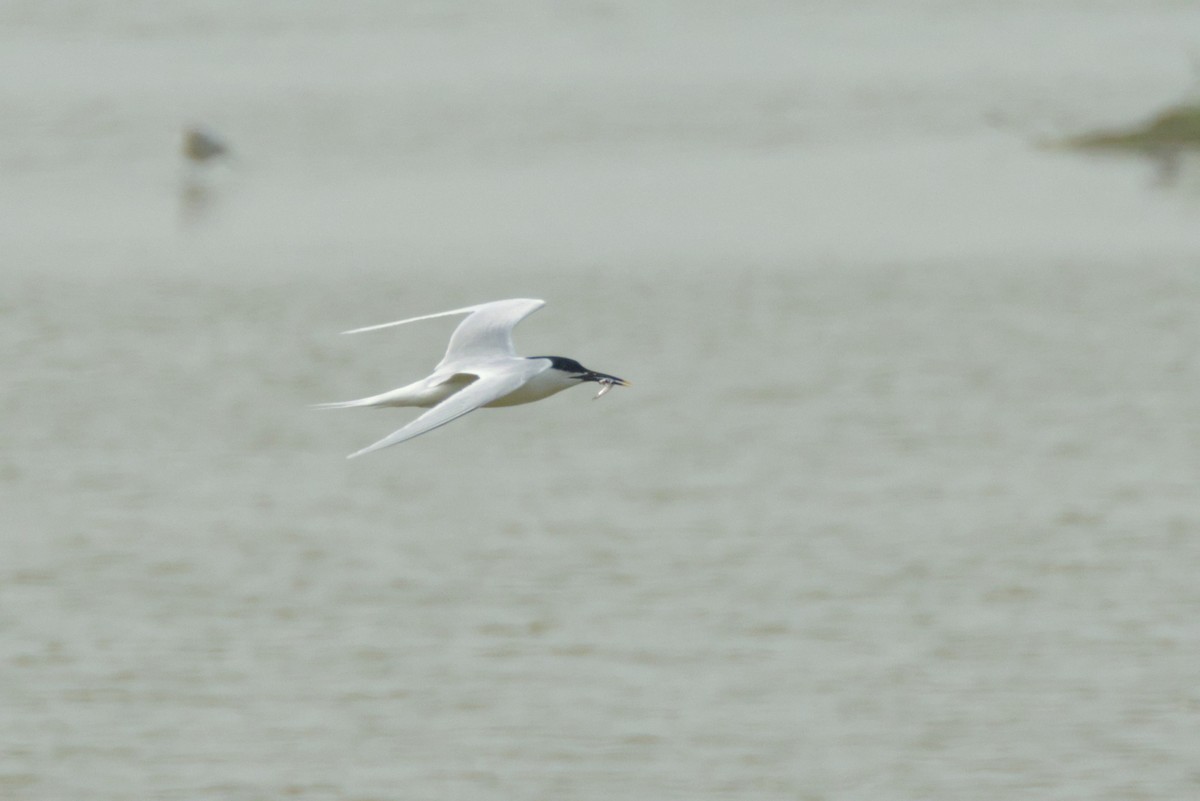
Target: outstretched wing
(488,387)
(487,331)
(464,310)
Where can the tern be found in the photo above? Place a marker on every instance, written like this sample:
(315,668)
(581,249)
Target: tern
(480,368)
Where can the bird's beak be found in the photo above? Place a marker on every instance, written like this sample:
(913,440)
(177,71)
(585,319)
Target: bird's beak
(605,378)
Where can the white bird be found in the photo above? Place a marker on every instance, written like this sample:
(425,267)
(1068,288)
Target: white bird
(480,368)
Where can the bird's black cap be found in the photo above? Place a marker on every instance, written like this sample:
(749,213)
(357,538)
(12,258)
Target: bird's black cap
(575,368)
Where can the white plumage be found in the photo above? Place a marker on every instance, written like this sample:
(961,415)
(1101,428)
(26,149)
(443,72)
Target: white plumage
(480,368)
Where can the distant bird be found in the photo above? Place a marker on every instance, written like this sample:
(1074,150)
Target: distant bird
(201,145)
(480,368)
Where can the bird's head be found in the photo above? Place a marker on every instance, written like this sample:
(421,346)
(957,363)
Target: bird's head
(578,372)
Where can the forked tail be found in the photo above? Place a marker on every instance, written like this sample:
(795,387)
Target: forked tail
(401,396)
(344,404)
(385,399)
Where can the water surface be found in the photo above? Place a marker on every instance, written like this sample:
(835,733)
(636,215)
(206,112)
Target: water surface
(902,503)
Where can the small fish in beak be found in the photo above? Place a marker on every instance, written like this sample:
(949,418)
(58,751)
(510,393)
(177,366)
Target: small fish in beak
(607,383)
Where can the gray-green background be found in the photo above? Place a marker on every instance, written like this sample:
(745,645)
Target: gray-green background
(904,502)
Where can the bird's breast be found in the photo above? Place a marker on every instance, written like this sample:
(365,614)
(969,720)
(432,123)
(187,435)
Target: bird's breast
(542,385)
